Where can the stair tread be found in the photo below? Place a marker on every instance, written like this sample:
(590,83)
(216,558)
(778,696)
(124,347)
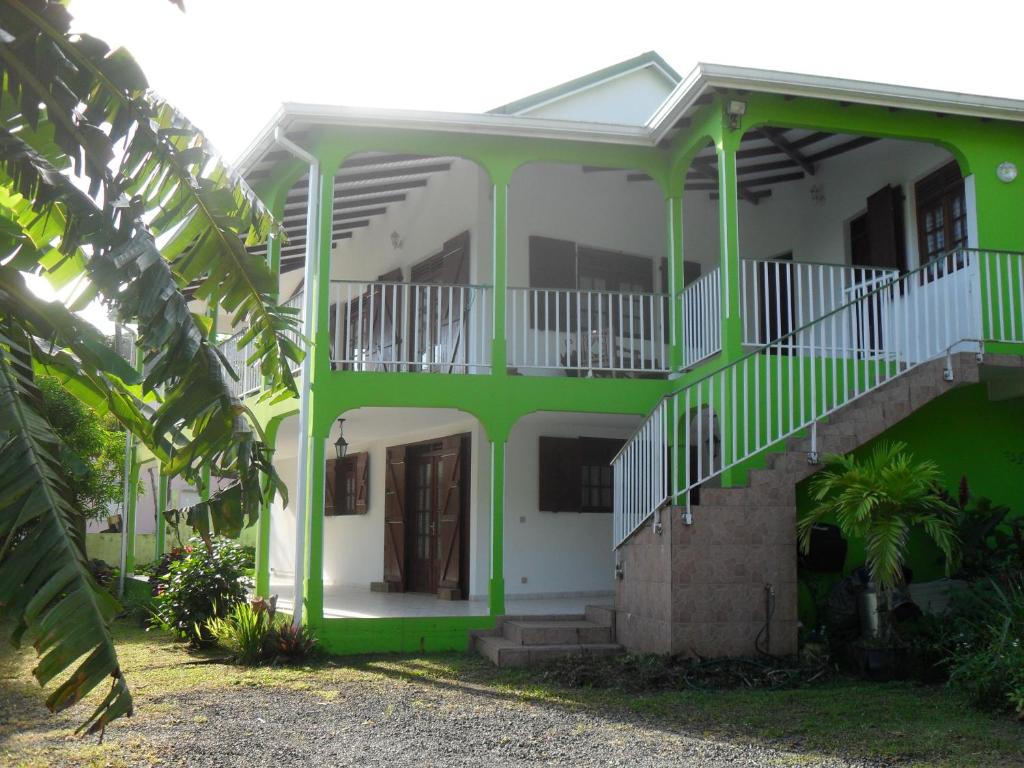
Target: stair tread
(503,643)
(555,624)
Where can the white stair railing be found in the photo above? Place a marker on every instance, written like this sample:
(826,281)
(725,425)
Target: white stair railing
(587,331)
(378,326)
(727,417)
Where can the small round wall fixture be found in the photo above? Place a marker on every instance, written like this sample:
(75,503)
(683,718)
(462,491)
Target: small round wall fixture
(1006,172)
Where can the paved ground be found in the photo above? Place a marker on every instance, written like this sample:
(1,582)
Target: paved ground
(412,724)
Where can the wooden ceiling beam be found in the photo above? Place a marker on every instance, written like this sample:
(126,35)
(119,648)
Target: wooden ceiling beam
(390,173)
(707,170)
(846,146)
(776,137)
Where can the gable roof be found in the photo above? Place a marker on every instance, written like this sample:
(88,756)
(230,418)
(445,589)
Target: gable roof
(649,59)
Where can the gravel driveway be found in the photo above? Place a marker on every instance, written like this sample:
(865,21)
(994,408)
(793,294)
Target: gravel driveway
(403,723)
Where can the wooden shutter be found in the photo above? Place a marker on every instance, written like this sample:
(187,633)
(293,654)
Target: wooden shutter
(559,474)
(394,518)
(449,266)
(885,229)
(450,513)
(362,476)
(331,487)
(552,265)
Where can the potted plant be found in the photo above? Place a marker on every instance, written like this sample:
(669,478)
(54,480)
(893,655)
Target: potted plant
(879,500)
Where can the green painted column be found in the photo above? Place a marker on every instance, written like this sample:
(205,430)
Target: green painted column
(313,582)
(499,348)
(263,531)
(728,219)
(732,322)
(496,586)
(674,215)
(161,506)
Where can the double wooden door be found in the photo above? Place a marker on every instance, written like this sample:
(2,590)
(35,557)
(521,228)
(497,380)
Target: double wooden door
(426,517)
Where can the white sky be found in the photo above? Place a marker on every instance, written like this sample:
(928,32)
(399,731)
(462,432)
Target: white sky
(228,64)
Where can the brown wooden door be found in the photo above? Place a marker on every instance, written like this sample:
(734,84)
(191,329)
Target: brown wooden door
(450,514)
(426,488)
(394,518)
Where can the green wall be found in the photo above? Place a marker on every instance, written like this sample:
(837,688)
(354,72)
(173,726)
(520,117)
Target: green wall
(965,433)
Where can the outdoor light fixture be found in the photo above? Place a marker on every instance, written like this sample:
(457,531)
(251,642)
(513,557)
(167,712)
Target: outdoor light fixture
(340,445)
(396,240)
(736,110)
(1006,172)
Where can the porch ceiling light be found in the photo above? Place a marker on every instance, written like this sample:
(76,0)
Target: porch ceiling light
(340,445)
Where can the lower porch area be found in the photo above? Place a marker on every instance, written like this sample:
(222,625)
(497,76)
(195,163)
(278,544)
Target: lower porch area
(351,602)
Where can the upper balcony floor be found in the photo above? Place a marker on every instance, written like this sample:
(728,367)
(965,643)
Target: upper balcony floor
(592,269)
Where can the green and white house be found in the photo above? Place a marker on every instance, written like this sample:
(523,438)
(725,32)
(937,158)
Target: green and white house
(586,346)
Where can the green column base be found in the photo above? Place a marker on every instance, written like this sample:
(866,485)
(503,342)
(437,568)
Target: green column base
(496,597)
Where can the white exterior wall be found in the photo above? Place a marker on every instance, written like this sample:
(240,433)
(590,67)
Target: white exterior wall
(354,544)
(557,553)
(600,209)
(790,220)
(451,203)
(627,99)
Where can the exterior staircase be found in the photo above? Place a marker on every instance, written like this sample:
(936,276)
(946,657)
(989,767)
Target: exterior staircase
(518,641)
(726,585)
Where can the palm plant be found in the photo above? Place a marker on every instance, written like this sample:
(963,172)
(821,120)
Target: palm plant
(879,500)
(153,215)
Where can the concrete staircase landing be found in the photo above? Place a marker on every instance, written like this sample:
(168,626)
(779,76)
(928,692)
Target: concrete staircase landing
(519,641)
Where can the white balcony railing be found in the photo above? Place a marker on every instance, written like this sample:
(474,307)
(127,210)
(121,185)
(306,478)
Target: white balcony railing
(701,303)
(377,326)
(780,296)
(250,379)
(587,332)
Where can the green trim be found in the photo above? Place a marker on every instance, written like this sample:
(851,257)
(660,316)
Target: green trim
(496,585)
(578,84)
(399,635)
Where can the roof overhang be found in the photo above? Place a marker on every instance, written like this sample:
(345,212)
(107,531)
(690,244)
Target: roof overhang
(691,91)
(706,78)
(292,116)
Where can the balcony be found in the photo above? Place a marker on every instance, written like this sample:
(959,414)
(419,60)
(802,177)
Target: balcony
(588,333)
(410,327)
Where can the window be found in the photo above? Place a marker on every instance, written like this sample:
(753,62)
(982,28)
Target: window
(941,212)
(347,486)
(575,473)
(561,264)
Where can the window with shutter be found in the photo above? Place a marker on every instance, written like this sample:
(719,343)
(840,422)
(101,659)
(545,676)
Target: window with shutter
(575,473)
(941,213)
(348,485)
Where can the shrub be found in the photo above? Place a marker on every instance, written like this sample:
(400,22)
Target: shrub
(293,643)
(988,662)
(208,582)
(247,632)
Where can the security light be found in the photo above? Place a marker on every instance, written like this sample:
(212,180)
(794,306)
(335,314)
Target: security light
(736,109)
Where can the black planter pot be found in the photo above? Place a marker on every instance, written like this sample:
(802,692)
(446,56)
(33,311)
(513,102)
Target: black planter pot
(881,664)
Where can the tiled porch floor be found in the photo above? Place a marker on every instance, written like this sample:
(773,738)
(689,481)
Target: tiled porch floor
(359,603)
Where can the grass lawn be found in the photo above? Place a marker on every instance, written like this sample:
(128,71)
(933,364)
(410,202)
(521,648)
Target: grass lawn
(893,723)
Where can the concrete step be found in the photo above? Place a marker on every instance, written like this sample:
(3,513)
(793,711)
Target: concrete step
(545,633)
(603,615)
(506,653)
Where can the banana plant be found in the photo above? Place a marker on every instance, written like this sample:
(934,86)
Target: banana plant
(105,187)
